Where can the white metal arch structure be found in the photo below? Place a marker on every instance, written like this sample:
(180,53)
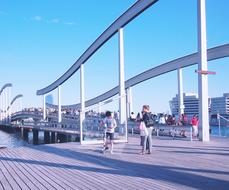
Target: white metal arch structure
(15,98)
(189,60)
(4,100)
(123,20)
(5,86)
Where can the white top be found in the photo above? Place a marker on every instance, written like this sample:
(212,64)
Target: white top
(162,120)
(110,124)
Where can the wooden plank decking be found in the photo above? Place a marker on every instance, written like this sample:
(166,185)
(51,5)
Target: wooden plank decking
(174,164)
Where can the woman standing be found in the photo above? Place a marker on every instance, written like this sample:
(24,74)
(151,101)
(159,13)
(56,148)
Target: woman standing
(194,123)
(146,117)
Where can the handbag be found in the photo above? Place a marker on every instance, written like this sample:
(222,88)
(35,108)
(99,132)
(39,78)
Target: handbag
(143,129)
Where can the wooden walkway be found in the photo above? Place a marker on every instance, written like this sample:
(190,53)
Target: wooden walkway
(174,164)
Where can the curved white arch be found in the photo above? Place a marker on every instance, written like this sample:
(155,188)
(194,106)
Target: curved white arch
(5,86)
(123,20)
(189,60)
(213,53)
(15,98)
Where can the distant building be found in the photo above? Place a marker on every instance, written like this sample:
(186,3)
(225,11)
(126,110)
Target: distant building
(220,104)
(190,104)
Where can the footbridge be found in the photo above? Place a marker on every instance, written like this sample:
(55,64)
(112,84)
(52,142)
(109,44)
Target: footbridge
(124,88)
(8,106)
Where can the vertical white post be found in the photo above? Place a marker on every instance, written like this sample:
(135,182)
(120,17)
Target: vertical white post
(9,110)
(4,105)
(218,117)
(20,105)
(59,104)
(17,106)
(44,107)
(180,92)
(202,79)
(122,100)
(129,102)
(100,107)
(0,108)
(82,102)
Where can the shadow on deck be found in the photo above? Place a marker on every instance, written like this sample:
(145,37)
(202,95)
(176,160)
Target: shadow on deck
(173,164)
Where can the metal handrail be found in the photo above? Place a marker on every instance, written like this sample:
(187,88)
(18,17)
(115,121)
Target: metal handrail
(223,117)
(219,124)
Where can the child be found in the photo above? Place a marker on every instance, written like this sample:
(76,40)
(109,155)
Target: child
(110,125)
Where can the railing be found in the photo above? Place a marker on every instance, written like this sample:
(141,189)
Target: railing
(164,130)
(219,123)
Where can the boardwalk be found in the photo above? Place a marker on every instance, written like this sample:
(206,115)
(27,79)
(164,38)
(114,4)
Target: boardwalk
(174,164)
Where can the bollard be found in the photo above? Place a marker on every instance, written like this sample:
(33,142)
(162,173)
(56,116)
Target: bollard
(35,137)
(46,137)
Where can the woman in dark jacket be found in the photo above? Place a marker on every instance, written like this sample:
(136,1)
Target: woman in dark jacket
(146,117)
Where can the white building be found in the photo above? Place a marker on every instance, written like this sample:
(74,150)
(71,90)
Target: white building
(220,104)
(190,104)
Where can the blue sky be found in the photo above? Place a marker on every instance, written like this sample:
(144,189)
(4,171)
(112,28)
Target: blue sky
(41,39)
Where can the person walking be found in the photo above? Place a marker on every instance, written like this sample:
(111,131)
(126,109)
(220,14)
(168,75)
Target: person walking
(110,125)
(146,117)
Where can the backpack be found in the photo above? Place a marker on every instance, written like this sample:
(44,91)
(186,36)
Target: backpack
(149,120)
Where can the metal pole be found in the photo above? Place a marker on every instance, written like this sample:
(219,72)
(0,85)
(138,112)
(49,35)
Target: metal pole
(100,107)
(82,101)
(202,79)
(0,108)
(9,111)
(59,104)
(7,103)
(122,100)
(3,106)
(20,104)
(44,107)
(180,92)
(129,102)
(218,116)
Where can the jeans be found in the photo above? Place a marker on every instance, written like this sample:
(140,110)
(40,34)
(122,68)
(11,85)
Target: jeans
(149,138)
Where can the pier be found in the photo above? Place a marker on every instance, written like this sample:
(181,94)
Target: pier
(143,46)
(173,164)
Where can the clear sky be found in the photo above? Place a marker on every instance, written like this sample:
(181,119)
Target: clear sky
(41,39)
